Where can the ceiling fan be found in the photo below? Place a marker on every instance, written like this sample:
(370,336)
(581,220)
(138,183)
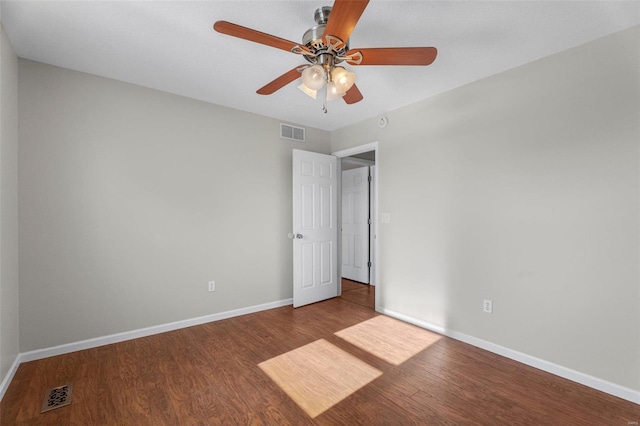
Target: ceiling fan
(325,46)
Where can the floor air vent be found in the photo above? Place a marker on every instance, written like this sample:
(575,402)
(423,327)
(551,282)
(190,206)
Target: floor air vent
(57,397)
(292,132)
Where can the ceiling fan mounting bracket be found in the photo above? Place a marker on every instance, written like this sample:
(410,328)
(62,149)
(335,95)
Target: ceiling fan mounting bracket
(321,15)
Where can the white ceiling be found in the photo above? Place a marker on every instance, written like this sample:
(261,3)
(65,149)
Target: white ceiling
(171,46)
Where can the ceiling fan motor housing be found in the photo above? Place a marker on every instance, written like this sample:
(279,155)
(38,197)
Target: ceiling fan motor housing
(313,39)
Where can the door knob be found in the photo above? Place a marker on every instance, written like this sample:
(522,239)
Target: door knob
(291,236)
(299,236)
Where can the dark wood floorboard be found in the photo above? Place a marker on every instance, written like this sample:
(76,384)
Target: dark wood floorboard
(209,375)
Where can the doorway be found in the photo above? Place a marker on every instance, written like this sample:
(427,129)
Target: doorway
(356,219)
(361,289)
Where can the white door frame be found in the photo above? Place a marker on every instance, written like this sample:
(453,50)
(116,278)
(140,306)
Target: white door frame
(372,146)
(358,161)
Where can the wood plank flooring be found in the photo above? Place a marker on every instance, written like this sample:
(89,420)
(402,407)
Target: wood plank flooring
(210,375)
(358,293)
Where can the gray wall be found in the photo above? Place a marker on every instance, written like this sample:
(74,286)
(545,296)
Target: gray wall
(8,204)
(132,199)
(522,188)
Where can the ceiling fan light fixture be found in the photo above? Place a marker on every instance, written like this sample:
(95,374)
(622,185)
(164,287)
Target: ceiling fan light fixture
(324,46)
(313,77)
(309,92)
(343,79)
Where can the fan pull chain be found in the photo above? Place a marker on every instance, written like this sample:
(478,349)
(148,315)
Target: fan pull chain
(324,101)
(326,84)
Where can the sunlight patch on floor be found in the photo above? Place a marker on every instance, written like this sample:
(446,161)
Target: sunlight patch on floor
(389,339)
(318,375)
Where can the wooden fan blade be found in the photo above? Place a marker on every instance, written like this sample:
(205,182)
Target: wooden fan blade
(353,95)
(395,55)
(234,30)
(343,18)
(279,82)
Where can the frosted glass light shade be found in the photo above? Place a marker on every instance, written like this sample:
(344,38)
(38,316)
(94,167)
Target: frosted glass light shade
(308,91)
(332,91)
(313,77)
(343,79)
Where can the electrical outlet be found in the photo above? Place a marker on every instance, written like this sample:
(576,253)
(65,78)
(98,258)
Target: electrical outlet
(487,306)
(212,286)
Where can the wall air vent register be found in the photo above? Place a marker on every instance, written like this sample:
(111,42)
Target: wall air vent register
(290,132)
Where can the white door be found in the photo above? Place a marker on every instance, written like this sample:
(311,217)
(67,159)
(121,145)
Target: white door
(355,224)
(315,228)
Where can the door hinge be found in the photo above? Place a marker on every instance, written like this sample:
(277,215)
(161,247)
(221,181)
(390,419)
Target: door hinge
(370,221)
(369,178)
(369,264)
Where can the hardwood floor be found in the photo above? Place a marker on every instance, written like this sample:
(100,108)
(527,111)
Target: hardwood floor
(211,375)
(358,293)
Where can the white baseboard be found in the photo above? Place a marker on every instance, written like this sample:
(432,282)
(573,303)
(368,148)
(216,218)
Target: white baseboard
(143,332)
(549,367)
(9,376)
(129,335)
